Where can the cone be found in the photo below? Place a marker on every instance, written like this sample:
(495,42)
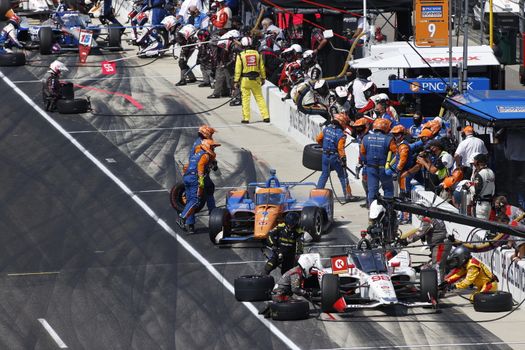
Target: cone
(340,305)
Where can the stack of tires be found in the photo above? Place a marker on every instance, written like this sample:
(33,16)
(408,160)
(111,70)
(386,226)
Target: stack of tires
(68,104)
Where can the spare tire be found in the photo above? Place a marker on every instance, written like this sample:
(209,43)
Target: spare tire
(46,40)
(178,198)
(291,310)
(75,106)
(330,291)
(493,302)
(12,59)
(114,37)
(313,157)
(253,287)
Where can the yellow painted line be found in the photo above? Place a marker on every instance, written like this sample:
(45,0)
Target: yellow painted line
(33,273)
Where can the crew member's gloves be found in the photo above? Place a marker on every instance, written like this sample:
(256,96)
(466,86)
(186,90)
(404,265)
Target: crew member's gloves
(443,285)
(402,242)
(263,81)
(236,85)
(200,190)
(343,162)
(389,172)
(280,257)
(215,167)
(451,238)
(452,286)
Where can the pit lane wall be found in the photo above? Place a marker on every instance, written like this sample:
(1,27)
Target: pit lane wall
(512,280)
(304,128)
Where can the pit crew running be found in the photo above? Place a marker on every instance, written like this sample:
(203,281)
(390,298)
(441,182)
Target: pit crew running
(52,89)
(468,271)
(375,151)
(291,283)
(286,243)
(250,75)
(8,36)
(194,181)
(333,140)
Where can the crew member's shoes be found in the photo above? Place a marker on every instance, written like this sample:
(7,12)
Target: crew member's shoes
(226,95)
(191,80)
(191,229)
(235,102)
(245,121)
(181,222)
(266,120)
(204,84)
(214,96)
(351,198)
(364,205)
(181,83)
(266,311)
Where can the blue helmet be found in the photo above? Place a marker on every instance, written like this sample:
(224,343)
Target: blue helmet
(292,219)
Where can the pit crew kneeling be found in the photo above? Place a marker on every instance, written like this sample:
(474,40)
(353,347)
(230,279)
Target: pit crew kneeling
(291,282)
(471,272)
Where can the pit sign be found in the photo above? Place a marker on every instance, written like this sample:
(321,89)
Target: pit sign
(431,23)
(339,264)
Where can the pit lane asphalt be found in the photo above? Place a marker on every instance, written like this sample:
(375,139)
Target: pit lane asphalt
(117,280)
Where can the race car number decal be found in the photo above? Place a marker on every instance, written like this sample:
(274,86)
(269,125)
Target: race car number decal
(251,60)
(85,37)
(376,278)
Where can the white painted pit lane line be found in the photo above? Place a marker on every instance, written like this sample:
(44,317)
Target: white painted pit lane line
(423,346)
(52,333)
(147,209)
(152,129)
(238,262)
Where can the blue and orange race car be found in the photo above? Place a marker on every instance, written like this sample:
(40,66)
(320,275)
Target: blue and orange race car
(251,216)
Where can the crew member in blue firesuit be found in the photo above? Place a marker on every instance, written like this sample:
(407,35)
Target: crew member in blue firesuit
(333,140)
(157,11)
(8,36)
(376,149)
(194,181)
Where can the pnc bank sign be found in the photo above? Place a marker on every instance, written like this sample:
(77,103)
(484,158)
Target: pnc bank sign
(430,85)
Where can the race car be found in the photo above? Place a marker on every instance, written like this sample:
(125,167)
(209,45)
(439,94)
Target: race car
(365,278)
(62,31)
(248,217)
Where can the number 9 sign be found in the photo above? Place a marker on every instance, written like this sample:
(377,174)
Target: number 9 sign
(431,23)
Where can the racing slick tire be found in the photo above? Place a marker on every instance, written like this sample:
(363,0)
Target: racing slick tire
(75,106)
(12,59)
(291,310)
(429,285)
(5,5)
(46,40)
(219,221)
(499,301)
(114,37)
(178,198)
(330,292)
(313,157)
(253,287)
(312,222)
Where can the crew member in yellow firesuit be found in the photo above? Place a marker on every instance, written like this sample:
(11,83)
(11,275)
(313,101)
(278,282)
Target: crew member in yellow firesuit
(250,75)
(473,272)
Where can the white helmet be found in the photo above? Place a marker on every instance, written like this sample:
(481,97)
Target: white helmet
(169,22)
(246,41)
(307,261)
(187,31)
(341,91)
(308,53)
(376,210)
(438,119)
(297,48)
(57,67)
(319,84)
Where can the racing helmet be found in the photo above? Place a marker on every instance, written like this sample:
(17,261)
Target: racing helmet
(341,91)
(398,129)
(292,219)
(468,130)
(342,119)
(309,58)
(208,145)
(57,67)
(321,87)
(361,122)
(381,124)
(203,35)
(425,133)
(186,32)
(206,131)
(297,48)
(169,22)
(307,262)
(449,182)
(15,20)
(246,42)
(458,257)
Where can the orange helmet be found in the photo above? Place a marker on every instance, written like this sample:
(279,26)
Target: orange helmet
(449,182)
(207,131)
(361,122)
(208,145)
(342,119)
(398,129)
(468,130)
(425,133)
(382,124)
